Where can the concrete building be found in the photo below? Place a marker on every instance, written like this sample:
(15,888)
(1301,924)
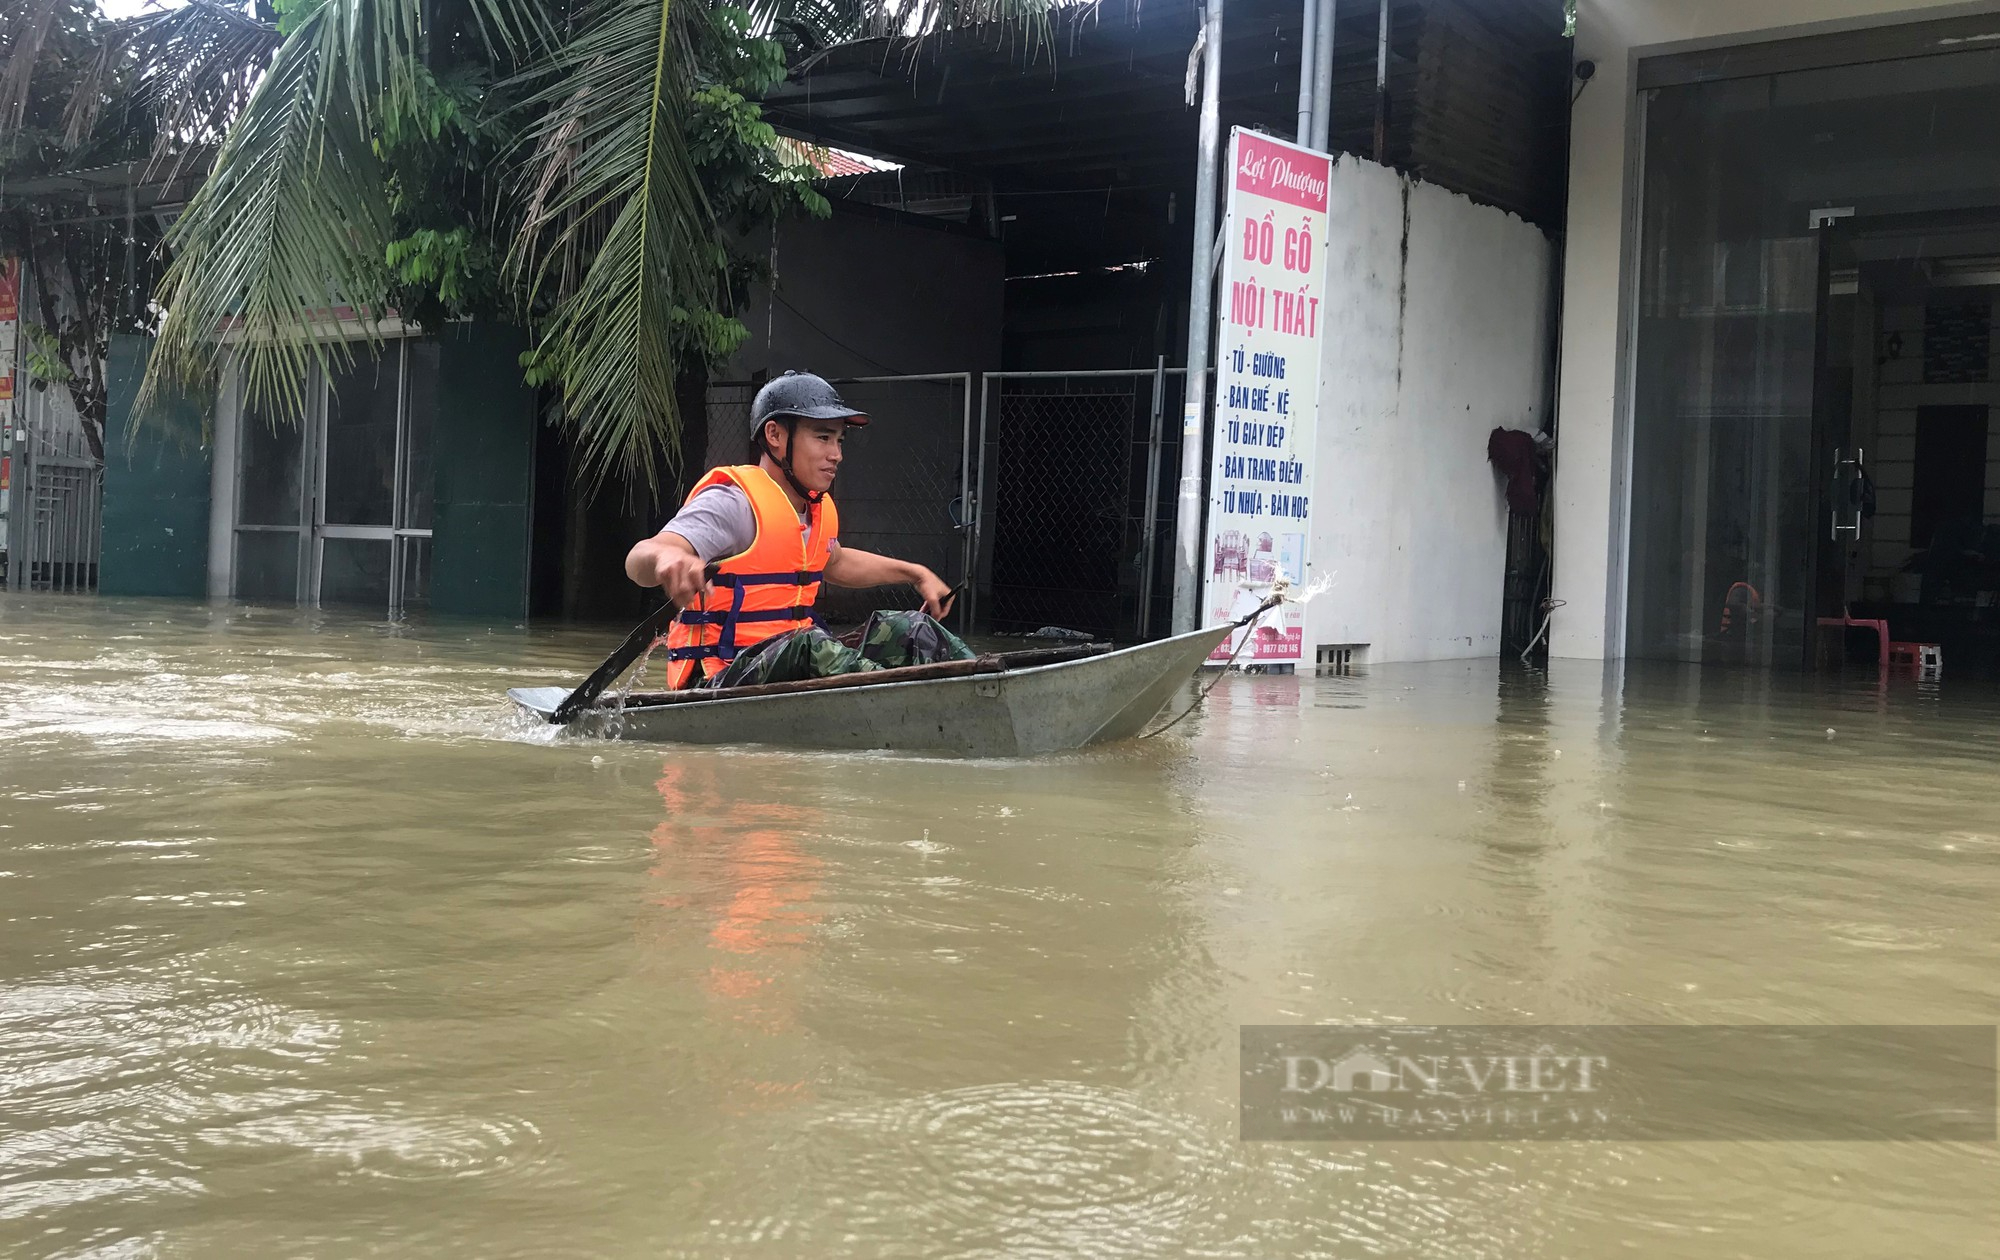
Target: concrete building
(1777,385)
(1066,178)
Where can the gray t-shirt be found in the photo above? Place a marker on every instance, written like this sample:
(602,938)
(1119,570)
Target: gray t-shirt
(719,523)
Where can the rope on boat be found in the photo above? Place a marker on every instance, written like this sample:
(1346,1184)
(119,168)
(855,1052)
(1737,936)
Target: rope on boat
(1277,597)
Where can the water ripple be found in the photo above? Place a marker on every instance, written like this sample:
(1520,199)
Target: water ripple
(406,1145)
(1029,1168)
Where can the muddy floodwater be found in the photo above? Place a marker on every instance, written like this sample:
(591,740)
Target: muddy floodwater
(308,948)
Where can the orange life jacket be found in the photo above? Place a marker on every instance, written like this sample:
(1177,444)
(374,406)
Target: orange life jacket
(757,594)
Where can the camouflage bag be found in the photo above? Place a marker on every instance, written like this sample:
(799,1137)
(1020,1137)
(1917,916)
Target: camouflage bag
(887,640)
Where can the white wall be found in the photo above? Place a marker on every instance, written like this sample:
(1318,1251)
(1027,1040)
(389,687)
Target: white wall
(1592,462)
(1437,333)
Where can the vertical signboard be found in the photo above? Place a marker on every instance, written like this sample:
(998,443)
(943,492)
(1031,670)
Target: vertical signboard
(10,329)
(1266,390)
(10,319)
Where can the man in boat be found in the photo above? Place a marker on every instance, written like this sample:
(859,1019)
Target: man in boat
(771,533)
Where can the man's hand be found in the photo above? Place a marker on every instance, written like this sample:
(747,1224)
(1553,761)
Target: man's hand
(681,575)
(936,595)
(669,562)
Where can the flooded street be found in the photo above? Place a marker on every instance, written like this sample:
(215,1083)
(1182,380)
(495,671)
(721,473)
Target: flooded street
(311,948)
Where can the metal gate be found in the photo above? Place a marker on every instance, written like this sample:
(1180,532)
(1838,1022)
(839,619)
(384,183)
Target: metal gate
(1051,513)
(902,486)
(1077,470)
(55,514)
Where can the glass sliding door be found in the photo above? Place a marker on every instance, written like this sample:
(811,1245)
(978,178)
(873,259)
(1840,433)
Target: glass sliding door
(1837,461)
(363,401)
(1735,327)
(1722,414)
(364,405)
(270,560)
(337,510)
(417,482)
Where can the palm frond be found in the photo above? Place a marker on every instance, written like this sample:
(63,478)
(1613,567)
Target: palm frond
(811,25)
(920,18)
(616,233)
(290,226)
(293,225)
(194,67)
(510,31)
(28,31)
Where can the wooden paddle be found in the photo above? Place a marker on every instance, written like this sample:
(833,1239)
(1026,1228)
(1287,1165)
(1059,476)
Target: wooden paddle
(630,650)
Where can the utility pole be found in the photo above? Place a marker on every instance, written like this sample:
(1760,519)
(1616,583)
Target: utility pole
(1382,80)
(1323,75)
(1308,71)
(1201,283)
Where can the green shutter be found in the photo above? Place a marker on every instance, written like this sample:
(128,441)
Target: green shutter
(156,483)
(484,452)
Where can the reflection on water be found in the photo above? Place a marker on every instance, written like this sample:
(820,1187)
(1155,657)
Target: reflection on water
(312,948)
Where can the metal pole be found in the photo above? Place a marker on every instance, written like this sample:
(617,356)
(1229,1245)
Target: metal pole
(973,575)
(131,295)
(79,530)
(1381,79)
(20,504)
(1080,372)
(1194,404)
(24,468)
(1308,63)
(1323,75)
(968,502)
(96,526)
(1149,529)
(398,479)
(72,527)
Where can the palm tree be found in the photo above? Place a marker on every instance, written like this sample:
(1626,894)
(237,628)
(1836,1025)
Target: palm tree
(551,162)
(78,92)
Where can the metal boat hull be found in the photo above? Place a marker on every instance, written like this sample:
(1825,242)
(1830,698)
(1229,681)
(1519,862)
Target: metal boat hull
(1020,712)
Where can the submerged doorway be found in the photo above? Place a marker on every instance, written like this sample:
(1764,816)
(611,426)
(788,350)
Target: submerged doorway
(335,510)
(1774,191)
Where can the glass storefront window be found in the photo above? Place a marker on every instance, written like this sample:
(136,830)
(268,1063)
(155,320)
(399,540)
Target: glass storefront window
(1725,454)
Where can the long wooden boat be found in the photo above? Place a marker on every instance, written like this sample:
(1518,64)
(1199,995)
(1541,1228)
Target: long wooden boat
(1000,705)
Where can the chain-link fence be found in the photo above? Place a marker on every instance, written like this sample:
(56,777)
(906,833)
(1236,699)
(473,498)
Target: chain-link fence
(55,519)
(1071,519)
(901,485)
(1077,477)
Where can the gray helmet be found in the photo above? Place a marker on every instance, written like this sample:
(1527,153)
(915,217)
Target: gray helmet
(800,395)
